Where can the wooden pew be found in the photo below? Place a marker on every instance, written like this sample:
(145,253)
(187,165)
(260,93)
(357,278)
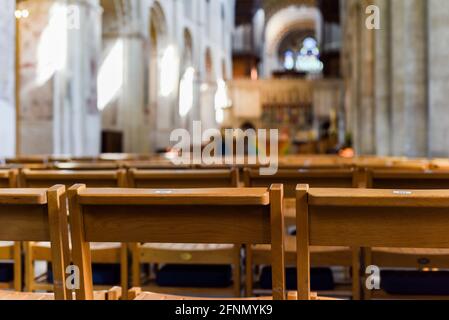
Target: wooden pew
(222,216)
(86,166)
(101,253)
(11,251)
(391,163)
(259,255)
(32,159)
(186,254)
(367,218)
(406,258)
(38,215)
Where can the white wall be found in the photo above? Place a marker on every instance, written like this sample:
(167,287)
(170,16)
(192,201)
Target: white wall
(7,78)
(208,31)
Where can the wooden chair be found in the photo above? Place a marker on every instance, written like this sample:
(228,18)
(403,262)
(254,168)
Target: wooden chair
(38,215)
(222,216)
(388,163)
(86,166)
(406,258)
(367,218)
(259,255)
(186,254)
(111,253)
(32,159)
(11,251)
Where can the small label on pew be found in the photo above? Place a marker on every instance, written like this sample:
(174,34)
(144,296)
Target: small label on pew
(402,193)
(164,192)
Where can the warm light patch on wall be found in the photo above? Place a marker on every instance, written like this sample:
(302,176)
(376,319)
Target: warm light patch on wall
(110,76)
(186,92)
(221,100)
(52,48)
(168,71)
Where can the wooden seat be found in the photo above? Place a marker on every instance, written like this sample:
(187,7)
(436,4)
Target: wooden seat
(407,258)
(100,254)
(86,166)
(190,254)
(198,216)
(368,218)
(322,257)
(11,251)
(38,215)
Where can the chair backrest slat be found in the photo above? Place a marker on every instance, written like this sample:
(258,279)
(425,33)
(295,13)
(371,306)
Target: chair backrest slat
(39,215)
(368,218)
(408,179)
(221,216)
(183,178)
(8,178)
(92,178)
(290,178)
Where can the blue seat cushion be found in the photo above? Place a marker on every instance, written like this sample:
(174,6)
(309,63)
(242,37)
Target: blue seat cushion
(196,276)
(6,272)
(321,279)
(415,282)
(102,274)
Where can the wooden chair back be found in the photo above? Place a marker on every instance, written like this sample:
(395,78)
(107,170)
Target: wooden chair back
(39,215)
(290,178)
(219,215)
(92,178)
(368,218)
(27,160)
(86,166)
(407,179)
(179,179)
(8,178)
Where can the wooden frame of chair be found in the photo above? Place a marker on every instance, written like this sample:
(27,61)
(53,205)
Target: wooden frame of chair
(176,216)
(13,252)
(100,253)
(38,215)
(323,178)
(399,257)
(210,255)
(367,218)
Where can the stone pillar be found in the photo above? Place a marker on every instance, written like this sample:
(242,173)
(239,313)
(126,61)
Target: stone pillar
(77,121)
(438,78)
(350,59)
(60,46)
(7,79)
(131,106)
(409,77)
(366,78)
(383,81)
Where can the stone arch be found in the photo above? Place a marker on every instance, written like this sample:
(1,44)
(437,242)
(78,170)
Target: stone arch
(287,20)
(157,94)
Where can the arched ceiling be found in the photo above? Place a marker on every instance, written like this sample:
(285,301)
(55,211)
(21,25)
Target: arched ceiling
(273,6)
(291,19)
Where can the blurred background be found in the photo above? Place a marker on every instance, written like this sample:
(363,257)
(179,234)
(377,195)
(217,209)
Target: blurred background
(82,77)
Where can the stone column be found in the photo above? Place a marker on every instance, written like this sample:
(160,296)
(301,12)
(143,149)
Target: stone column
(77,121)
(366,78)
(383,81)
(7,79)
(131,107)
(438,13)
(409,77)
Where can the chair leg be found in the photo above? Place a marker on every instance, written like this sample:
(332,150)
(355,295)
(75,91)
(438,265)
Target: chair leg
(237,271)
(356,267)
(29,267)
(124,268)
(135,257)
(367,258)
(249,271)
(18,266)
